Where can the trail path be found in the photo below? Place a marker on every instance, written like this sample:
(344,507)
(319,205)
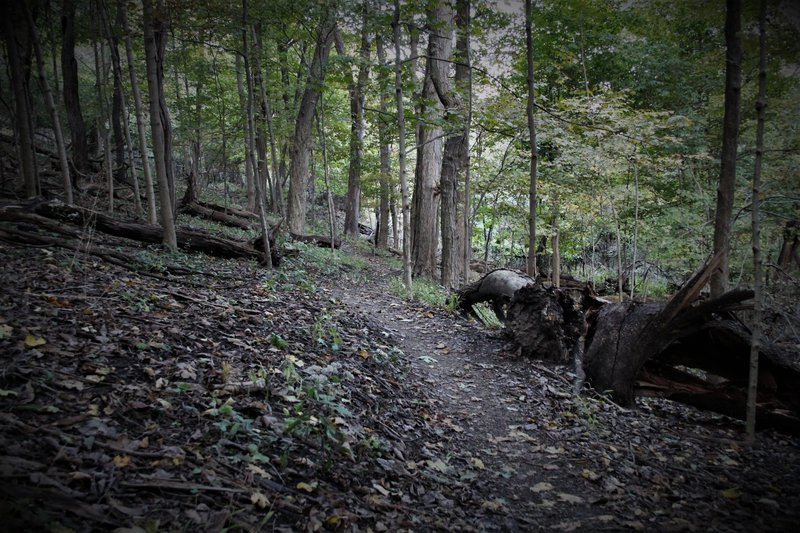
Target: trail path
(535,457)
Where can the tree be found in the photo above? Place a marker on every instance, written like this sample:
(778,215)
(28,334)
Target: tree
(758,278)
(16,37)
(455,158)
(51,105)
(139,111)
(155,87)
(260,170)
(401,129)
(425,230)
(301,143)
(730,139)
(71,90)
(382,238)
(534,157)
(355,87)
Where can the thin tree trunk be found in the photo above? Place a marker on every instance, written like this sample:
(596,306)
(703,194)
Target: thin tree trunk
(382,238)
(250,119)
(730,138)
(401,128)
(263,117)
(71,91)
(154,88)
(531,264)
(249,143)
(301,146)
(276,188)
(635,227)
(464,7)
(139,110)
(758,281)
(51,105)
(357,126)
(329,194)
(102,121)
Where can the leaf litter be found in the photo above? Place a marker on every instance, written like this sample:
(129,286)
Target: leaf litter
(237,400)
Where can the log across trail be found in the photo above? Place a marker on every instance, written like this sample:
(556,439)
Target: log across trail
(688,350)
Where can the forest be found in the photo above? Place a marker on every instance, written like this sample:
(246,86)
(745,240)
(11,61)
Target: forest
(269,214)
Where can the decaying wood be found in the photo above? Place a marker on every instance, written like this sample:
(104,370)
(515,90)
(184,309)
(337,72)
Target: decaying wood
(645,349)
(190,240)
(546,322)
(320,240)
(497,287)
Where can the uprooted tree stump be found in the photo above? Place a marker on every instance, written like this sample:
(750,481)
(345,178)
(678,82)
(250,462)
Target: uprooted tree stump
(691,351)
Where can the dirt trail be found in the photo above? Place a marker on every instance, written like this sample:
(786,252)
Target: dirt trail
(535,457)
(487,402)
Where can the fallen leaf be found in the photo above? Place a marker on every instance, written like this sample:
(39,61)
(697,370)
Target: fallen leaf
(121,461)
(542,486)
(590,474)
(71,384)
(259,500)
(5,331)
(569,498)
(477,463)
(308,487)
(731,493)
(33,342)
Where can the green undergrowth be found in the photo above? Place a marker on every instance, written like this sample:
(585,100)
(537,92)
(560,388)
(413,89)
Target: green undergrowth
(423,290)
(302,256)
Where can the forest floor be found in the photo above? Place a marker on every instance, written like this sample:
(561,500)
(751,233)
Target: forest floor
(193,393)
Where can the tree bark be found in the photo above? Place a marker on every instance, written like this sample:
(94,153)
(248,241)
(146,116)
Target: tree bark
(382,238)
(249,142)
(357,125)
(401,128)
(251,102)
(730,138)
(531,263)
(139,111)
(155,89)
(301,145)
(758,279)
(51,105)
(427,178)
(71,91)
(15,32)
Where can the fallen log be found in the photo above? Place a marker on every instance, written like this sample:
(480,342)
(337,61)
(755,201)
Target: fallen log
(199,210)
(189,240)
(319,240)
(688,350)
(497,287)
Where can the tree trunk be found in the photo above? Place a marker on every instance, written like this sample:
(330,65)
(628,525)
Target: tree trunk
(155,89)
(276,187)
(531,263)
(427,179)
(758,281)
(357,126)
(382,238)
(138,108)
(328,193)
(301,145)
(260,180)
(464,73)
(401,129)
(69,73)
(730,138)
(455,157)
(51,105)
(15,32)
(249,142)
